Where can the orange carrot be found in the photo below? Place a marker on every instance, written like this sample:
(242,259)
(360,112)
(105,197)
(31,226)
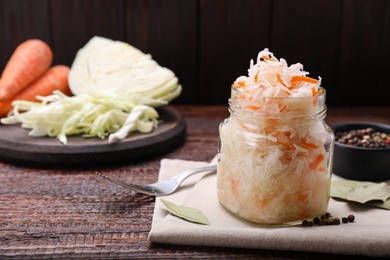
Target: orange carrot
(262,203)
(266,58)
(239,84)
(56,78)
(253,107)
(314,164)
(234,184)
(304,78)
(280,80)
(302,197)
(284,140)
(315,92)
(256,78)
(28,62)
(307,145)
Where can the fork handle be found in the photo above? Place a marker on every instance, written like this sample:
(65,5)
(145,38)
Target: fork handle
(184,175)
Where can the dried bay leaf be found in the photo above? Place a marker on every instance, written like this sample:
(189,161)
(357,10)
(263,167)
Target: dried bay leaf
(376,194)
(189,214)
(380,204)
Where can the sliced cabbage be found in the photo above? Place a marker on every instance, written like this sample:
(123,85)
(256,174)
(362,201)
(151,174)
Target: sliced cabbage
(87,115)
(104,66)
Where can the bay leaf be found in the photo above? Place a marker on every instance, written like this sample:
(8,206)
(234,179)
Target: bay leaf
(380,204)
(187,213)
(376,194)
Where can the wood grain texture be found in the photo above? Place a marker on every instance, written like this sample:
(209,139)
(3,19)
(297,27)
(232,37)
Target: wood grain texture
(365,41)
(167,29)
(308,32)
(71,213)
(21,20)
(209,43)
(17,145)
(74,23)
(232,33)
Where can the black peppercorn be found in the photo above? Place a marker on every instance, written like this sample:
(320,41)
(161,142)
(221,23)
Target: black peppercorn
(326,220)
(368,138)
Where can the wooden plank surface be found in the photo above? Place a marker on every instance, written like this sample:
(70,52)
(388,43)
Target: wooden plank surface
(17,145)
(232,33)
(307,32)
(21,20)
(70,213)
(365,41)
(209,43)
(74,23)
(167,29)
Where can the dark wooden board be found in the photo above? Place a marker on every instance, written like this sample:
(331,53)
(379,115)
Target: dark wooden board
(168,31)
(365,53)
(308,32)
(17,146)
(232,33)
(21,20)
(208,43)
(74,23)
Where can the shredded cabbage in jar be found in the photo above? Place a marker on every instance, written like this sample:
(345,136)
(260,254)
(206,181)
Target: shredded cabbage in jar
(275,150)
(59,116)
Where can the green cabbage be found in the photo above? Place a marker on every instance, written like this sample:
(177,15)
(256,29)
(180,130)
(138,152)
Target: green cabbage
(60,116)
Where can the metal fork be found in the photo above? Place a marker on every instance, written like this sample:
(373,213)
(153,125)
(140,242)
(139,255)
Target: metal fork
(163,187)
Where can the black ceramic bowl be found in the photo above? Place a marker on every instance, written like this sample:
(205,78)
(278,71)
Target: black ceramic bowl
(358,163)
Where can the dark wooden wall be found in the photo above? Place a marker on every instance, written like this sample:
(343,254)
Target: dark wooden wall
(208,43)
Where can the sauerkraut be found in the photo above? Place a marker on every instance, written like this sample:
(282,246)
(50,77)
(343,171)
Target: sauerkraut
(275,149)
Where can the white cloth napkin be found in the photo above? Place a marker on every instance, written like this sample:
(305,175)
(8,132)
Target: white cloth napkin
(369,235)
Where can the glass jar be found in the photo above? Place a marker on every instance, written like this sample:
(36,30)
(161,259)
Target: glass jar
(275,162)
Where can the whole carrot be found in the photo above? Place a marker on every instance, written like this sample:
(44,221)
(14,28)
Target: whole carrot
(56,78)
(29,61)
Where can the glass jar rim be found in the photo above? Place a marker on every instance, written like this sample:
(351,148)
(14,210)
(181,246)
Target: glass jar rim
(318,112)
(322,94)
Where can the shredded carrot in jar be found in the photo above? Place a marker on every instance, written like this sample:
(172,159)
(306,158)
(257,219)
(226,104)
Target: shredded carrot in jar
(314,164)
(304,79)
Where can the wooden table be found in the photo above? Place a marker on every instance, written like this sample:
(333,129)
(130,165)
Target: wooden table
(70,213)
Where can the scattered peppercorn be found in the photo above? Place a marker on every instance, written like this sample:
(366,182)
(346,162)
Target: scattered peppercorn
(336,221)
(326,220)
(367,138)
(321,223)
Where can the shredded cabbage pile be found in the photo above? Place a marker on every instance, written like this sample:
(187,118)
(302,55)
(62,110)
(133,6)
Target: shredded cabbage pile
(272,77)
(275,150)
(59,116)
